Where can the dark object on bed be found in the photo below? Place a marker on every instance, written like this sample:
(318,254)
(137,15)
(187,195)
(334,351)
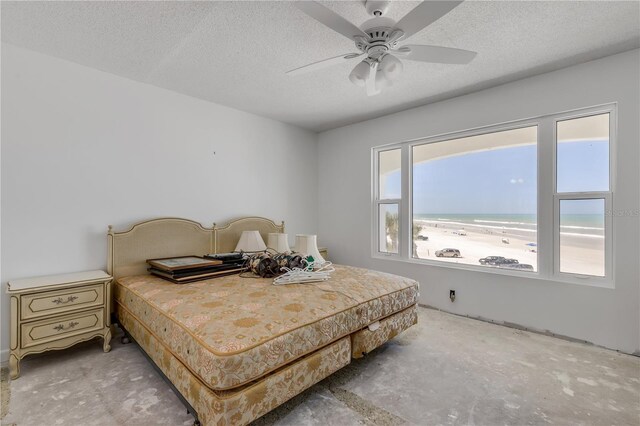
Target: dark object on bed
(266,265)
(187,269)
(289,260)
(263,265)
(183,278)
(200,271)
(226,257)
(181,263)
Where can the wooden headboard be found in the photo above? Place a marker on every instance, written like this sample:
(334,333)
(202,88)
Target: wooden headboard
(226,237)
(129,250)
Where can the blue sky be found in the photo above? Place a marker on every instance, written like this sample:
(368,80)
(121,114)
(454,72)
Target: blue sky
(583,166)
(504,181)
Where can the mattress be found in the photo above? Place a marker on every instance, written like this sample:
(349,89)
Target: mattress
(244,404)
(231,331)
(378,333)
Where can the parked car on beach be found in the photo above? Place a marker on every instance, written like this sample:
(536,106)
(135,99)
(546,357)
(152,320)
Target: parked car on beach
(448,252)
(521,266)
(422,238)
(491,260)
(497,261)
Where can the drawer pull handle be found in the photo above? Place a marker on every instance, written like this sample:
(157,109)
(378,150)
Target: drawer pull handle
(61,327)
(61,301)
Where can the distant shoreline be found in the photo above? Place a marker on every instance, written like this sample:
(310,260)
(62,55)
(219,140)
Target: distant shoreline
(518,226)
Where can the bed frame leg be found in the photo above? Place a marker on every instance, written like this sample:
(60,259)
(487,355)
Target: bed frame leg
(125,336)
(196,422)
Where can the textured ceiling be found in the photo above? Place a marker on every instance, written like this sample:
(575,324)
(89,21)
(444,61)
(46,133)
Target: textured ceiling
(236,53)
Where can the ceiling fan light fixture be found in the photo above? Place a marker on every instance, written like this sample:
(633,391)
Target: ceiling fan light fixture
(382,81)
(360,73)
(378,39)
(391,67)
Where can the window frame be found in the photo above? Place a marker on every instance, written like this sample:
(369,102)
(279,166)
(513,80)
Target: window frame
(607,280)
(548,200)
(377,201)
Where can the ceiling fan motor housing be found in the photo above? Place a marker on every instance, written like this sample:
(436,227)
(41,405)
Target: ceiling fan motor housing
(381,37)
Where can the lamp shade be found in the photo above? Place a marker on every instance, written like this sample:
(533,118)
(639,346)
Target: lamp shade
(278,242)
(391,67)
(360,73)
(250,241)
(307,246)
(382,80)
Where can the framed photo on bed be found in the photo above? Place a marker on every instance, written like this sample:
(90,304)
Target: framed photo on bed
(182,262)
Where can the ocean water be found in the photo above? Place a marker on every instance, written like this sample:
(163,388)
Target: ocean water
(524,224)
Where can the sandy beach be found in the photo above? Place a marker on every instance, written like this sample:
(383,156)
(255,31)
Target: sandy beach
(580,253)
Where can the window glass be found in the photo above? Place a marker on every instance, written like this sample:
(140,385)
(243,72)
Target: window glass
(582,237)
(389,228)
(583,154)
(475,200)
(389,174)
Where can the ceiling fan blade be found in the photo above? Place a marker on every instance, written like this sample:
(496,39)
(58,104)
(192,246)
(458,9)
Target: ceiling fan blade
(372,90)
(323,63)
(425,14)
(331,19)
(436,54)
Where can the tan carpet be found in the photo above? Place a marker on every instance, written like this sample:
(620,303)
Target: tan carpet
(5,391)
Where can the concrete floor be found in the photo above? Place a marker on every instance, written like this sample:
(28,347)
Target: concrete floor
(445,370)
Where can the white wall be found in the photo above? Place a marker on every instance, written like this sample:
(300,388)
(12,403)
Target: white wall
(608,317)
(82,149)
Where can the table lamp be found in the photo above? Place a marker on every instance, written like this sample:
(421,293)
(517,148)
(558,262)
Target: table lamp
(250,242)
(308,246)
(278,242)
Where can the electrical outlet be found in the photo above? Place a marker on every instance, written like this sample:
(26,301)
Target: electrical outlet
(452,295)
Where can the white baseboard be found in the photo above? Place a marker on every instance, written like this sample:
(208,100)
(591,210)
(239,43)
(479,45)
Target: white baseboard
(4,357)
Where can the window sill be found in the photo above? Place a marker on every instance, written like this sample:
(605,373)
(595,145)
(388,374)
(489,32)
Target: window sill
(581,280)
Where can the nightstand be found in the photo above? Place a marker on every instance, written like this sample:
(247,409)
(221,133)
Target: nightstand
(58,311)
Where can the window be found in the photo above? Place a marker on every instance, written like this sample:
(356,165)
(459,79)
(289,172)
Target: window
(477,195)
(582,194)
(389,230)
(529,198)
(583,154)
(389,175)
(388,200)
(582,236)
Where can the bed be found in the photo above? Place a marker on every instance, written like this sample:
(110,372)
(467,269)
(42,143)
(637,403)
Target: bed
(235,348)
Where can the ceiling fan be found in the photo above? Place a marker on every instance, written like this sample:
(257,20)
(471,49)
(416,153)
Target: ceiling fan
(377,39)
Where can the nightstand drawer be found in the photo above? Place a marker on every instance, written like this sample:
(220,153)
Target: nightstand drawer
(44,331)
(60,301)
